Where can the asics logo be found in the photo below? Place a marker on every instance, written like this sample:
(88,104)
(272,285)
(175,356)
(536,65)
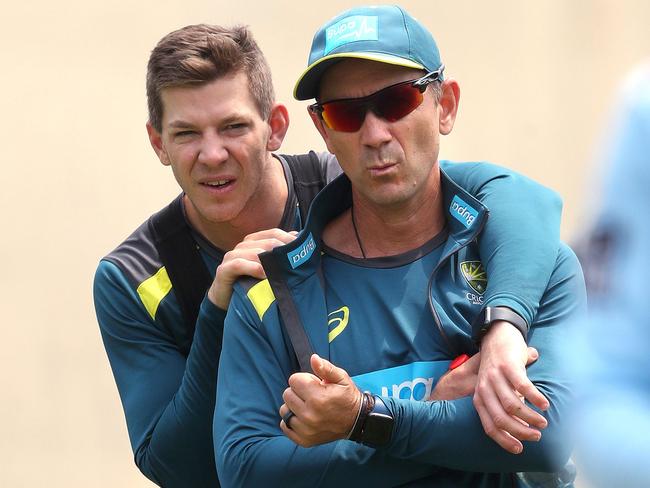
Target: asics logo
(338,322)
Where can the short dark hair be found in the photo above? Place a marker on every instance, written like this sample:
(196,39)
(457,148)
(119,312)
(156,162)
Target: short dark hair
(198,54)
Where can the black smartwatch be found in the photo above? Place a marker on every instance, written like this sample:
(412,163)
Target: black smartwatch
(374,426)
(489,315)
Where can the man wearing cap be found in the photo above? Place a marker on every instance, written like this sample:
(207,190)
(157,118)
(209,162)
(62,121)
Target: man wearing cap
(376,285)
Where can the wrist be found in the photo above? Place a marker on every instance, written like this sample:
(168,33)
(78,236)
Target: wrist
(499,331)
(218,299)
(374,426)
(490,316)
(366,402)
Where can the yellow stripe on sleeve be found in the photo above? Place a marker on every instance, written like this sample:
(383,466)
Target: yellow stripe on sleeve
(153,290)
(261,296)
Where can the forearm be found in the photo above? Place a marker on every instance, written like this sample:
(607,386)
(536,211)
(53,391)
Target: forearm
(179,449)
(449,434)
(519,243)
(278,461)
(168,399)
(519,247)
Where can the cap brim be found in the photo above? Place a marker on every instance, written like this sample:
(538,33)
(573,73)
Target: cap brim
(307,85)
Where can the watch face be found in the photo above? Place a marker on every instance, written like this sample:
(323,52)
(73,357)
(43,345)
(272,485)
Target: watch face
(378,429)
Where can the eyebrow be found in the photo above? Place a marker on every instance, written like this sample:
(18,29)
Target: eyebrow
(179,124)
(237,117)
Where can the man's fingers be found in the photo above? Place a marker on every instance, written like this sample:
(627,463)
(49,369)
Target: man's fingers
(533,356)
(290,433)
(507,412)
(521,384)
(293,402)
(327,372)
(304,385)
(499,436)
(227,273)
(503,428)
(263,244)
(243,266)
(533,395)
(278,234)
(508,397)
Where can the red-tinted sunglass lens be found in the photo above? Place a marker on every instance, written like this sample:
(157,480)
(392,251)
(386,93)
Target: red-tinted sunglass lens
(397,102)
(344,116)
(391,103)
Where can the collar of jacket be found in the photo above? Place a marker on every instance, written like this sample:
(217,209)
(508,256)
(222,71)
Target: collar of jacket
(300,258)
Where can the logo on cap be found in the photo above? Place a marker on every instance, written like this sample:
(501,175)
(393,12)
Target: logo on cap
(462,211)
(303,253)
(350,29)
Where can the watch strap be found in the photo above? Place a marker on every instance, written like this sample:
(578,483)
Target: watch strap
(367,404)
(375,423)
(489,315)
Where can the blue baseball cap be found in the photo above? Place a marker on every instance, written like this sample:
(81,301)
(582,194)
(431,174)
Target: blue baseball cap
(384,33)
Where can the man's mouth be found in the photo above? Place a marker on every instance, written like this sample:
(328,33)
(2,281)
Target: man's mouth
(217,183)
(381,169)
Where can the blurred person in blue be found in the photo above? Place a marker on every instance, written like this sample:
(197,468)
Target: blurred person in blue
(614,361)
(161,296)
(381,286)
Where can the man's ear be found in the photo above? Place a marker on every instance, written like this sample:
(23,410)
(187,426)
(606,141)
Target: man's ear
(155,139)
(279,123)
(448,104)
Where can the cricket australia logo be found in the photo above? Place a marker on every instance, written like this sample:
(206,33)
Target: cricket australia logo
(476,277)
(337,322)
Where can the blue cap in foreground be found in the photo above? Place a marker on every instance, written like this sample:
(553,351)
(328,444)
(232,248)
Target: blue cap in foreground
(385,33)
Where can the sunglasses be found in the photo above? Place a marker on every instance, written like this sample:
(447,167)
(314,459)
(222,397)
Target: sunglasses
(391,103)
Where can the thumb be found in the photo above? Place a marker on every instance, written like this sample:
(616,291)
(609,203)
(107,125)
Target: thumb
(327,372)
(533,355)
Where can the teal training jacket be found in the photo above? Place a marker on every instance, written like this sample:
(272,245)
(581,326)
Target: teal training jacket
(433,443)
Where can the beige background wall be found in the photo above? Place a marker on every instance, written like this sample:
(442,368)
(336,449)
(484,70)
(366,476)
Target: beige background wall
(537,80)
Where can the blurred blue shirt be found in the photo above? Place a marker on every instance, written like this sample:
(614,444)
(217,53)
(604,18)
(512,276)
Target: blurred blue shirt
(614,359)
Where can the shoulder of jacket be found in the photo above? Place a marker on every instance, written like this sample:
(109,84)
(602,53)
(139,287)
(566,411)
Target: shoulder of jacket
(137,256)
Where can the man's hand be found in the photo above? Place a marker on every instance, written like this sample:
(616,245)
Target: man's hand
(502,385)
(325,404)
(461,381)
(244,260)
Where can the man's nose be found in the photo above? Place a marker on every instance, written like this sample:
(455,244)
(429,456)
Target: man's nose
(212,150)
(375,131)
